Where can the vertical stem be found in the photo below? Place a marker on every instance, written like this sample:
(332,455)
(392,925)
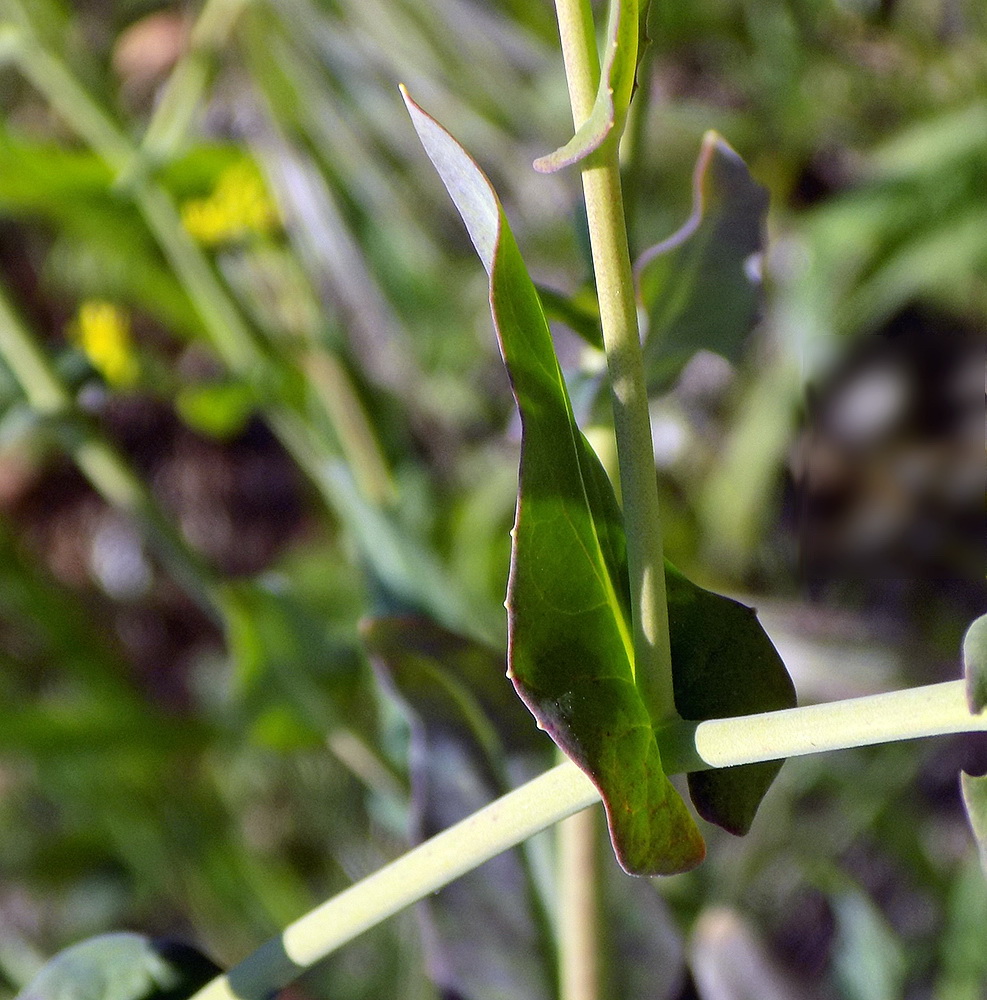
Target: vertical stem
(632,424)
(578,901)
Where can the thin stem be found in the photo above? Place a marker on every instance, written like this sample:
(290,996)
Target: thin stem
(579,906)
(564,790)
(632,423)
(514,817)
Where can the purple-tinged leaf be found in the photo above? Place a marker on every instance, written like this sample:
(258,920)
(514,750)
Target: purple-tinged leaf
(701,287)
(570,649)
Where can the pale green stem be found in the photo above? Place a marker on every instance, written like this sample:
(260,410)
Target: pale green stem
(579,906)
(621,338)
(564,790)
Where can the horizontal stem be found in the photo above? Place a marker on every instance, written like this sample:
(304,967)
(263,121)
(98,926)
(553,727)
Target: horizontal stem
(795,732)
(564,790)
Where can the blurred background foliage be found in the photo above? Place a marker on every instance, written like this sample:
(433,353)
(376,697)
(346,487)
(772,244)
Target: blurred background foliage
(250,398)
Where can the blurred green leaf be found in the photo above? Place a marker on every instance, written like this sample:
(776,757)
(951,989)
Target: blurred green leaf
(570,645)
(701,288)
(122,967)
(975,664)
(870,959)
(974,789)
(217,409)
(293,678)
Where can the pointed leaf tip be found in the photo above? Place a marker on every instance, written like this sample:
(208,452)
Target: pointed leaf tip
(466,183)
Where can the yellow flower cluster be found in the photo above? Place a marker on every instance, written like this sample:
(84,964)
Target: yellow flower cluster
(102,331)
(238,207)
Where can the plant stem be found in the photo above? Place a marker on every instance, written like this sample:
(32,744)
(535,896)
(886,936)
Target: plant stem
(514,817)
(632,423)
(578,902)
(856,722)
(564,790)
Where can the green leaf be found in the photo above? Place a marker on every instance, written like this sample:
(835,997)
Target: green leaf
(974,789)
(570,647)
(613,94)
(580,312)
(122,967)
(218,409)
(295,679)
(487,933)
(975,664)
(701,287)
(724,665)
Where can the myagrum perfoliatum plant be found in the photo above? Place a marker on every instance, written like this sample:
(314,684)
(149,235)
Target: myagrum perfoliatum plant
(634,671)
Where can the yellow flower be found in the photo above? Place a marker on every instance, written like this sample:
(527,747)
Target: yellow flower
(102,331)
(239,206)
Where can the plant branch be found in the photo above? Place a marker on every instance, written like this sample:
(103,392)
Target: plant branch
(564,790)
(632,423)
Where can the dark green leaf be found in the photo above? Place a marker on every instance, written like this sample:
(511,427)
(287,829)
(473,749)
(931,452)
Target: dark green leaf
(580,312)
(975,664)
(488,934)
(614,92)
(570,646)
(724,665)
(701,287)
(122,967)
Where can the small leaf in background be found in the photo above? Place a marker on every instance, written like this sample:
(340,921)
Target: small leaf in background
(701,288)
(724,665)
(569,636)
(292,677)
(216,409)
(122,967)
(487,936)
(974,789)
(975,664)
(614,92)
(579,312)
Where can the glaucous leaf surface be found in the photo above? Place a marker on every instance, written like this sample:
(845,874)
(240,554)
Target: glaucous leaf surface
(570,647)
(701,287)
(486,933)
(122,967)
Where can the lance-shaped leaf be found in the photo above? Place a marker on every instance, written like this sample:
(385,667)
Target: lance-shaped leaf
(975,664)
(570,647)
(122,967)
(613,94)
(701,288)
(486,933)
